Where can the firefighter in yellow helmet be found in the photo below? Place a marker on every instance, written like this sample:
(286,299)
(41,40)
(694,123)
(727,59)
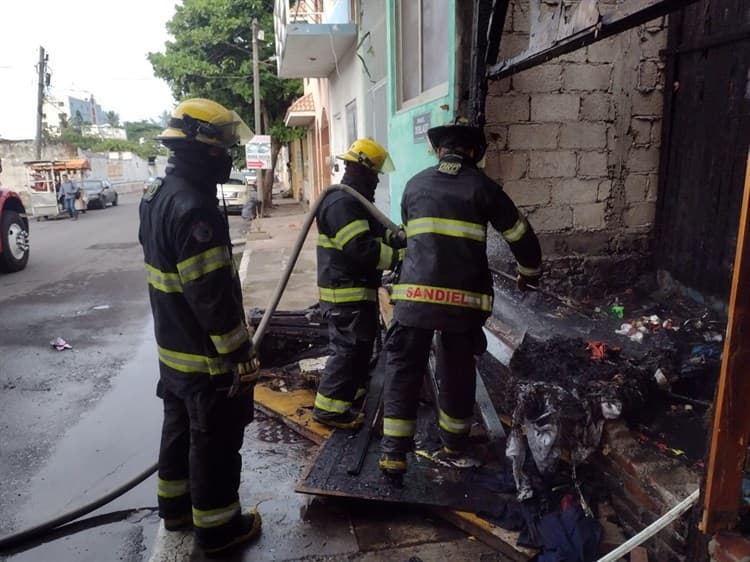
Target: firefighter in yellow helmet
(353,249)
(206,361)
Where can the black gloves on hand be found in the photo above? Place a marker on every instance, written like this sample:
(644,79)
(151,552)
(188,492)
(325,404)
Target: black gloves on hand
(396,240)
(245,373)
(523,282)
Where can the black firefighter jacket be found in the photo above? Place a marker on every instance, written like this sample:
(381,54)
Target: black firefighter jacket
(194,289)
(445,283)
(351,249)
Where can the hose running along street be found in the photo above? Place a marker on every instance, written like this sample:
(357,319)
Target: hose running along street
(46,527)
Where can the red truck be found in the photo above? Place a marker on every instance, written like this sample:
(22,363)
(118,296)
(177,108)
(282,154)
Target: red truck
(14,231)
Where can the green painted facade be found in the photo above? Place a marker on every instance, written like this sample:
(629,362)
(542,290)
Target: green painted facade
(410,156)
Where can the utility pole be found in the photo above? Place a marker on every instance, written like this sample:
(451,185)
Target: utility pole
(256,107)
(42,70)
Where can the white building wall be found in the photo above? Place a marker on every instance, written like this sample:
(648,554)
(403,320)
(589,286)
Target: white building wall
(345,86)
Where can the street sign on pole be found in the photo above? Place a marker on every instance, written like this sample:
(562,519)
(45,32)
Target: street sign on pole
(258,152)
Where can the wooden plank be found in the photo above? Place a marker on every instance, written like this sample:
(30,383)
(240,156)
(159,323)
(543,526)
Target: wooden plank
(731,428)
(294,409)
(496,537)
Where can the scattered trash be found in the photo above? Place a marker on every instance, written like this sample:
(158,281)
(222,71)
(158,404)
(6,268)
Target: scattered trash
(313,365)
(617,310)
(600,350)
(661,379)
(713,336)
(100,307)
(60,344)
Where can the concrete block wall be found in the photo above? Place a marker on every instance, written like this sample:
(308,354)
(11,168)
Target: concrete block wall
(575,142)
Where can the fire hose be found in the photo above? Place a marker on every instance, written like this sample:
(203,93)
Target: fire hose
(55,524)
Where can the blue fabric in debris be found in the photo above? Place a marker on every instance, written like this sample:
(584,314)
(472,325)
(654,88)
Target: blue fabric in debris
(561,536)
(569,536)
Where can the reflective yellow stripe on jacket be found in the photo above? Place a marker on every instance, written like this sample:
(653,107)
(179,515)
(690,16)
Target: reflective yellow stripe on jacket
(516,232)
(163,281)
(442,295)
(347,294)
(191,363)
(339,240)
(230,341)
(447,227)
(206,518)
(201,264)
(386,257)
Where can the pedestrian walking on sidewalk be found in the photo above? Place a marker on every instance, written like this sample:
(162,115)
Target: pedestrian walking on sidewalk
(69,192)
(353,250)
(445,286)
(206,361)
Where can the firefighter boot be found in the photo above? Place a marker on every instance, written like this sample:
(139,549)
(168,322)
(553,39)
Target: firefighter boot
(181,523)
(348,420)
(393,464)
(244,528)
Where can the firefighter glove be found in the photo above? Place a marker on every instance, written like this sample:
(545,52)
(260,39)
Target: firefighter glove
(396,240)
(526,283)
(245,373)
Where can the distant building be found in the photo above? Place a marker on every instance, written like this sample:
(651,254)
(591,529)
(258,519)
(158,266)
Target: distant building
(80,113)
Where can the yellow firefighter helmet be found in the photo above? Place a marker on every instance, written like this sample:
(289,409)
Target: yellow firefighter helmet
(205,121)
(370,154)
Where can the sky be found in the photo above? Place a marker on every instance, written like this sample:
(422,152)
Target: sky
(94,47)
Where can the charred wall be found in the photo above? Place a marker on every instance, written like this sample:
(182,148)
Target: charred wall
(575,142)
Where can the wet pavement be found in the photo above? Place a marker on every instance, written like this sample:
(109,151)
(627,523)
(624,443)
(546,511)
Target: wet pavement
(77,423)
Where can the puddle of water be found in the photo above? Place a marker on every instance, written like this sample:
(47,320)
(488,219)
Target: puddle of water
(110,444)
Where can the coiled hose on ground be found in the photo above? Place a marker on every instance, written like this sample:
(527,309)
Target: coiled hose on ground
(40,530)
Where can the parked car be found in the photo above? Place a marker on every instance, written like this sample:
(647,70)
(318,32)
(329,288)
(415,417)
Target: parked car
(234,193)
(14,231)
(99,193)
(251,177)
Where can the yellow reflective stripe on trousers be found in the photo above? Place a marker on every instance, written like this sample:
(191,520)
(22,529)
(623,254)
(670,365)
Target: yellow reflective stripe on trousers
(191,363)
(516,232)
(172,488)
(386,257)
(442,295)
(214,517)
(396,427)
(201,264)
(454,425)
(227,343)
(331,404)
(529,271)
(447,227)
(347,294)
(163,281)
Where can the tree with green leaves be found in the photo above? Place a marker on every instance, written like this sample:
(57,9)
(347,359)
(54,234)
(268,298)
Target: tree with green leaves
(210,56)
(113,118)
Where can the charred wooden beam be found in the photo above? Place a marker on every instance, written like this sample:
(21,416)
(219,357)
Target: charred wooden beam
(488,22)
(554,35)
(731,429)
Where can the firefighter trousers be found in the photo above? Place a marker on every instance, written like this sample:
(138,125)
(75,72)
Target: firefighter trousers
(407,353)
(199,459)
(351,335)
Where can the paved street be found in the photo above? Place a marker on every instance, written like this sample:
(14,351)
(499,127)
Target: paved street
(77,423)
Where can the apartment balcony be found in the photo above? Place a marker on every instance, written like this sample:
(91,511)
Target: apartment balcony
(310,40)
